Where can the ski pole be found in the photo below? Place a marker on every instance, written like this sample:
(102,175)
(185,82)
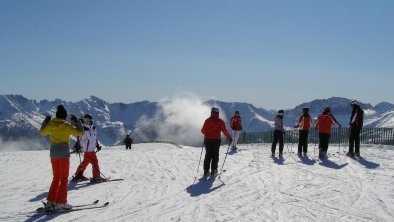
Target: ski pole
(202,148)
(224,160)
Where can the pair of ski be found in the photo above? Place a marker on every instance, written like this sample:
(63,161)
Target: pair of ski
(91,181)
(94,205)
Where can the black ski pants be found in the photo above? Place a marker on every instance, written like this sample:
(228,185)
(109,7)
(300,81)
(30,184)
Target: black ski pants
(278,137)
(354,140)
(211,160)
(324,139)
(303,141)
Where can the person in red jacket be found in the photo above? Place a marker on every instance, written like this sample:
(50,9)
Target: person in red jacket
(236,126)
(304,124)
(212,129)
(323,124)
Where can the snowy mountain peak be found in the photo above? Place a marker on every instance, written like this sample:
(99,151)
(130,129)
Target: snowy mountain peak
(148,121)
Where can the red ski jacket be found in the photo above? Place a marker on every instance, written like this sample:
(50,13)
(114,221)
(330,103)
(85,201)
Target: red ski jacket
(213,126)
(324,123)
(236,123)
(304,122)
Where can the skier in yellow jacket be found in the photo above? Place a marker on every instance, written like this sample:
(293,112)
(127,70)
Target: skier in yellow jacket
(60,132)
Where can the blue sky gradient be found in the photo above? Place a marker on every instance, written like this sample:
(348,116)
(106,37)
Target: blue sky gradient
(273,54)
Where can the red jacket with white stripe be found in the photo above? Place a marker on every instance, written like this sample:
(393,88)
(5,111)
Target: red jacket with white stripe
(324,123)
(304,122)
(236,123)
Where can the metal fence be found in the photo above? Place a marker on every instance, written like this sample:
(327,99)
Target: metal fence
(382,136)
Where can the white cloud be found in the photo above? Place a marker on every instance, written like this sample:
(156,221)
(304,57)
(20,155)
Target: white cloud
(178,119)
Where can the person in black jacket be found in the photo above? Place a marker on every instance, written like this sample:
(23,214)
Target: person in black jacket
(128,141)
(356,124)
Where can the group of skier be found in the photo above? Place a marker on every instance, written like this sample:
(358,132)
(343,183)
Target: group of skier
(214,126)
(323,124)
(83,128)
(60,131)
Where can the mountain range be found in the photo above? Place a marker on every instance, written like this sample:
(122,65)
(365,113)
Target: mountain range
(21,118)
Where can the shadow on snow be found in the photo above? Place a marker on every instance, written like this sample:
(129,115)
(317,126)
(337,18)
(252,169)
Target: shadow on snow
(203,186)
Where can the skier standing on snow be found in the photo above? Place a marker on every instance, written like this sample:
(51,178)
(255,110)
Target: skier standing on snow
(212,128)
(279,131)
(59,131)
(356,124)
(128,141)
(88,143)
(304,124)
(236,126)
(323,124)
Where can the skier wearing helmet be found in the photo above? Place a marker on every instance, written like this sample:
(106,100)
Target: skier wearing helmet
(212,129)
(88,143)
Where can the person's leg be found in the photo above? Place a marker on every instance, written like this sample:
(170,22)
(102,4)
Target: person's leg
(215,156)
(274,142)
(236,137)
(95,165)
(305,141)
(208,155)
(64,166)
(53,190)
(352,136)
(81,168)
(300,142)
(357,141)
(281,143)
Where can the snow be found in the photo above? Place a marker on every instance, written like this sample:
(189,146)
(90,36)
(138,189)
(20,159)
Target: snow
(160,185)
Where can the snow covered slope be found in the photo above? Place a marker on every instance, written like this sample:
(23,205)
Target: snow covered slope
(159,185)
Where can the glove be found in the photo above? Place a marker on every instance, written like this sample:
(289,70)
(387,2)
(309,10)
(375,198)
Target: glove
(98,147)
(47,119)
(77,147)
(241,128)
(74,119)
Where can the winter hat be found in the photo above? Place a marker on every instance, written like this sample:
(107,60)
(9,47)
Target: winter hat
(354,103)
(237,112)
(305,109)
(88,116)
(281,112)
(214,110)
(61,112)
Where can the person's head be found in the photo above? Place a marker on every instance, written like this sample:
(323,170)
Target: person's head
(127,136)
(215,112)
(354,104)
(327,110)
(61,112)
(281,113)
(305,110)
(88,119)
(236,113)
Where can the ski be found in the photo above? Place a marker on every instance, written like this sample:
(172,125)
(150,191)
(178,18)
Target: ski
(42,209)
(105,180)
(88,207)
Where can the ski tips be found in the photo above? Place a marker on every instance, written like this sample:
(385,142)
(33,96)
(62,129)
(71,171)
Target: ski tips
(105,204)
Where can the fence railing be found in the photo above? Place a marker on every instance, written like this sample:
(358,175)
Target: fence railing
(383,136)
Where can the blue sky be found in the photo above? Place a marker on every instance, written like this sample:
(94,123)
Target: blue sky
(273,54)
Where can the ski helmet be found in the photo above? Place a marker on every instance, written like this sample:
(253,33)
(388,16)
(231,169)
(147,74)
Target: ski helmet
(214,110)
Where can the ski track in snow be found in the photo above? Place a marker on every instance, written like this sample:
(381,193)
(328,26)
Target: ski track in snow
(160,185)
